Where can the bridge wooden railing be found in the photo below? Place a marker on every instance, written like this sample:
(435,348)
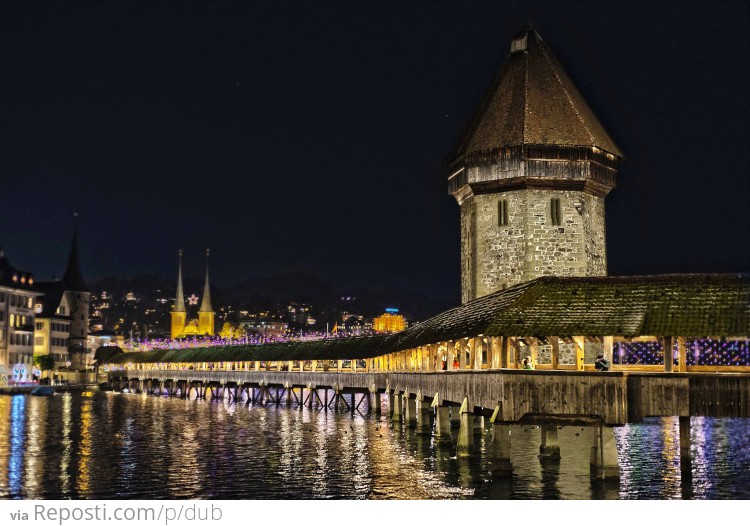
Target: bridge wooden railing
(616,397)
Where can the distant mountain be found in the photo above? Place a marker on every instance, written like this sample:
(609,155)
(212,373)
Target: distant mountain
(270,292)
(282,288)
(413,305)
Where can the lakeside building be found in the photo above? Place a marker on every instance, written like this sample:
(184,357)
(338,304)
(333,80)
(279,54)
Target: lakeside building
(203,325)
(61,329)
(265,327)
(17,317)
(389,322)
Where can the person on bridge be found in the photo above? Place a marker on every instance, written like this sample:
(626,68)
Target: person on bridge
(601,363)
(528,363)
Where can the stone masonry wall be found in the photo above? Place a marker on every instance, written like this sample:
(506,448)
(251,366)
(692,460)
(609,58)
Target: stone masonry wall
(467,250)
(495,257)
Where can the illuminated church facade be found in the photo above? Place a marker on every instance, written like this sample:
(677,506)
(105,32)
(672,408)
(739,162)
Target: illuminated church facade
(203,325)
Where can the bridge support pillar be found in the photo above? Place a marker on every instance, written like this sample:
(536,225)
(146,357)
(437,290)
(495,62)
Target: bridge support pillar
(455,418)
(311,396)
(684,436)
(478,424)
(410,405)
(604,454)
(340,403)
(465,444)
(500,450)
(424,421)
(443,424)
(374,402)
(550,447)
(396,416)
(686,462)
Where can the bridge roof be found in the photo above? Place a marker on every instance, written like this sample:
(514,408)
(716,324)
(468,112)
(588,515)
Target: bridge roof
(330,349)
(690,305)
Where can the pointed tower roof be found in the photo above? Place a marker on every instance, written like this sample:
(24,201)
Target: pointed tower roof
(206,302)
(532,101)
(73,277)
(179,300)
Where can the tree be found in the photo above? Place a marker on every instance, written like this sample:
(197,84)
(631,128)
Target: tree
(44,362)
(226,331)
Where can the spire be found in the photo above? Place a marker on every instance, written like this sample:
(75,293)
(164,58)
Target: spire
(532,102)
(206,302)
(179,300)
(73,278)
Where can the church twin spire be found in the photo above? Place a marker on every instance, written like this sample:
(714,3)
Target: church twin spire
(179,301)
(206,303)
(204,325)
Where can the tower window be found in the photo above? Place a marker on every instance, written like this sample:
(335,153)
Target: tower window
(555,211)
(502,212)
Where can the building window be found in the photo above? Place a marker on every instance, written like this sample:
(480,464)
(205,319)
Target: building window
(502,212)
(555,211)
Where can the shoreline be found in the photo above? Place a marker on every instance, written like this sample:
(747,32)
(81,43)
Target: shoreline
(26,389)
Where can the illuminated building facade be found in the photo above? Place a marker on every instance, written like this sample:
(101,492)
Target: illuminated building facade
(61,328)
(17,298)
(530,173)
(391,321)
(265,327)
(204,324)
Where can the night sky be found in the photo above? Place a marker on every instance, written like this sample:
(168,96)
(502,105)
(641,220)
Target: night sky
(312,136)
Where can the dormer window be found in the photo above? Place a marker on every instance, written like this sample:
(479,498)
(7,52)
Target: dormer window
(518,44)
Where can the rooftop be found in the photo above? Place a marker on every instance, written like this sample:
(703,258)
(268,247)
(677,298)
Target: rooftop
(532,101)
(690,305)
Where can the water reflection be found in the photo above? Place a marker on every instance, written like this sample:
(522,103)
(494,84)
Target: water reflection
(17,442)
(132,446)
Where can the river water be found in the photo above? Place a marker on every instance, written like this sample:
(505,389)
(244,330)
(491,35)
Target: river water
(107,445)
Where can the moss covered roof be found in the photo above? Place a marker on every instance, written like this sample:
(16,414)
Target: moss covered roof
(690,305)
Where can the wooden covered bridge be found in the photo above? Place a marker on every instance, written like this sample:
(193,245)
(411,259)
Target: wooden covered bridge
(466,362)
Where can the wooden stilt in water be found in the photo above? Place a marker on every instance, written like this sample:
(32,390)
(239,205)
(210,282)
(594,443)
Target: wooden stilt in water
(465,444)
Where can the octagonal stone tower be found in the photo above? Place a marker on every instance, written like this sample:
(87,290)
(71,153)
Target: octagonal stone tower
(530,173)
